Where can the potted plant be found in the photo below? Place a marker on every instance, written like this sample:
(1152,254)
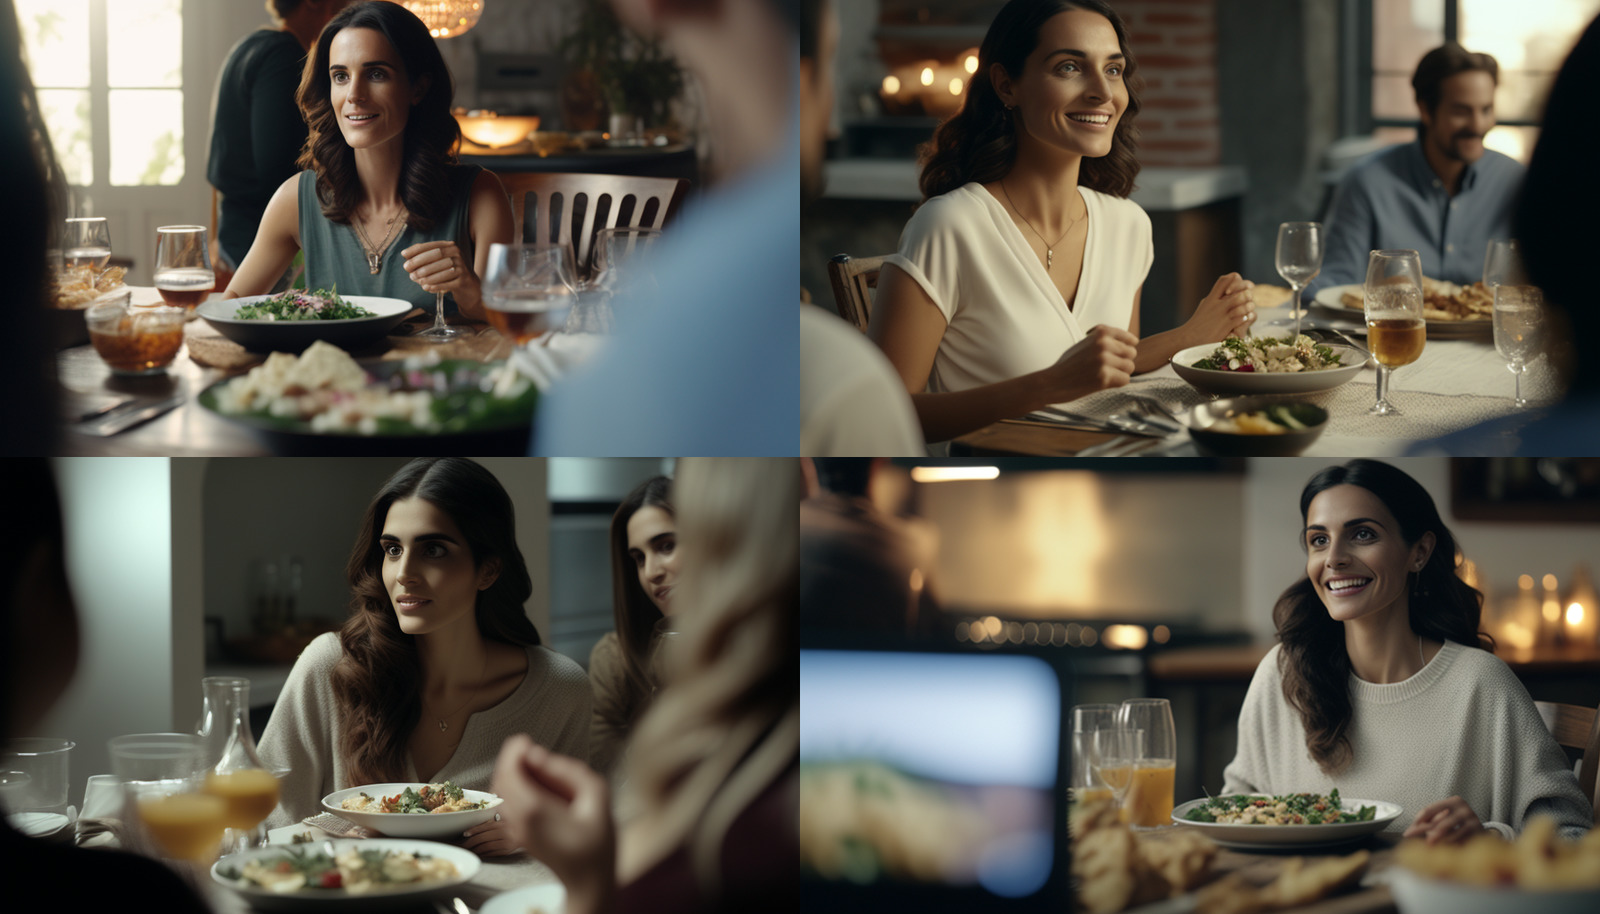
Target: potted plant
(636,78)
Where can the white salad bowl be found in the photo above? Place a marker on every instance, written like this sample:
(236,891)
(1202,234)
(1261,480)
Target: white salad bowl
(1245,383)
(411,825)
(294,336)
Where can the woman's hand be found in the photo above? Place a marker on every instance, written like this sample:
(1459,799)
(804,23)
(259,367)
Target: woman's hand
(559,810)
(1229,310)
(1451,821)
(439,266)
(1102,359)
(494,838)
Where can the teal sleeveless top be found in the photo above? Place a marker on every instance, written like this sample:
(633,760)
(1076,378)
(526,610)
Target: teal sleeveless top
(334,255)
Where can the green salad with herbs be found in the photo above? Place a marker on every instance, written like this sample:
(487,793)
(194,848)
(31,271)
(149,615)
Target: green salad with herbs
(300,305)
(1285,809)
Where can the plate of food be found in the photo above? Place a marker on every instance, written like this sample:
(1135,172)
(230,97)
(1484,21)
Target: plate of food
(549,898)
(1267,365)
(323,400)
(1451,311)
(374,874)
(403,810)
(293,320)
(1258,822)
(1541,872)
(1254,426)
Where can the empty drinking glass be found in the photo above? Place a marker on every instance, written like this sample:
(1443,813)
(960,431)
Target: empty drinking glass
(1115,755)
(1502,264)
(1087,720)
(1299,259)
(1395,328)
(1518,330)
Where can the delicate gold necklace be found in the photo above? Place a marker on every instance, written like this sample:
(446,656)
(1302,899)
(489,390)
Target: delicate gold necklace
(444,726)
(375,254)
(1049,247)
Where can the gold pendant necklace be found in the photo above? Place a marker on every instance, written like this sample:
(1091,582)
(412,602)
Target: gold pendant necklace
(375,254)
(1049,247)
(444,726)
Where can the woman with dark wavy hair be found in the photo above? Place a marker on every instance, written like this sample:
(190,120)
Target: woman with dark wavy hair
(972,311)
(1383,685)
(644,571)
(382,207)
(437,664)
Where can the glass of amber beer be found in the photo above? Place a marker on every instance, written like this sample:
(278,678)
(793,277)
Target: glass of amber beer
(1149,800)
(1395,328)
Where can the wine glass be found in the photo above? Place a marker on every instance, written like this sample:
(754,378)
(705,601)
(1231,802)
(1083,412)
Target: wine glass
(614,249)
(161,776)
(1299,260)
(528,289)
(1087,720)
(1502,264)
(1115,755)
(87,243)
(1395,328)
(183,265)
(440,332)
(1155,761)
(1518,327)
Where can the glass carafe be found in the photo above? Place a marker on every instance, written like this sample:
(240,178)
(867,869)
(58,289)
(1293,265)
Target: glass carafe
(234,771)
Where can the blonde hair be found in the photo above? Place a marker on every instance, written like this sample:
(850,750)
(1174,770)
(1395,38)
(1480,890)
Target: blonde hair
(727,721)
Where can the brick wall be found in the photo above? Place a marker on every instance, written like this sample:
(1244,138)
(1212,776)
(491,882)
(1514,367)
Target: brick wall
(1175,42)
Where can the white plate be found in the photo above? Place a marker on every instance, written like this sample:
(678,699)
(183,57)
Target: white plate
(1415,894)
(411,825)
(551,898)
(1278,837)
(1329,298)
(295,336)
(1235,383)
(467,865)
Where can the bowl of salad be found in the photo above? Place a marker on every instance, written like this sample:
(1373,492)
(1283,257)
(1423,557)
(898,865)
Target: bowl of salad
(1267,365)
(1293,820)
(293,320)
(1254,426)
(374,874)
(413,810)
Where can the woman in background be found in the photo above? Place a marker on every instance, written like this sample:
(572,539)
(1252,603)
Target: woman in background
(1382,672)
(1018,281)
(383,208)
(715,762)
(644,569)
(437,664)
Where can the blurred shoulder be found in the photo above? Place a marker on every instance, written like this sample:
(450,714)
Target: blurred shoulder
(606,652)
(1499,163)
(556,668)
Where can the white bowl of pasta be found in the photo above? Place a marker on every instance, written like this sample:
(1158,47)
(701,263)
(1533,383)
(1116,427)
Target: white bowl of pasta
(412,810)
(1540,871)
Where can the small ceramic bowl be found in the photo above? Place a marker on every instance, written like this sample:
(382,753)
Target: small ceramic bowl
(1214,442)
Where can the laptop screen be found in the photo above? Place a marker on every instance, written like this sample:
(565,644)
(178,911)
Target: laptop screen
(931,769)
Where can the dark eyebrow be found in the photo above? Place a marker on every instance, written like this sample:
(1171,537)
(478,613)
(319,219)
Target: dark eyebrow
(370,63)
(426,537)
(1074,52)
(1348,523)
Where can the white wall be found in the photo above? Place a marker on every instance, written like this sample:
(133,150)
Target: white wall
(117,514)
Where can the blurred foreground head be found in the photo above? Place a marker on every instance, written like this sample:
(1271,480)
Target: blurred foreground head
(38,620)
(860,570)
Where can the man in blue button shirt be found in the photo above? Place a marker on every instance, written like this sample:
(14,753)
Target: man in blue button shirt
(1444,196)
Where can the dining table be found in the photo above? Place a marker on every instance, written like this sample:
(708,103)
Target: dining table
(188,429)
(1454,385)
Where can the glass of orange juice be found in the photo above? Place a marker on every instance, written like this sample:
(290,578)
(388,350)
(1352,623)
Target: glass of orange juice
(1149,802)
(160,775)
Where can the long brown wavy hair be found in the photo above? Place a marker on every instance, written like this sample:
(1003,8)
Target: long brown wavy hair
(636,614)
(979,143)
(431,132)
(1441,606)
(377,682)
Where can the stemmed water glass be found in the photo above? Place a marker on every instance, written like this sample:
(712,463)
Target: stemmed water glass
(1396,331)
(87,243)
(1155,761)
(1518,328)
(614,250)
(1115,755)
(528,289)
(1299,260)
(440,332)
(1087,720)
(1502,265)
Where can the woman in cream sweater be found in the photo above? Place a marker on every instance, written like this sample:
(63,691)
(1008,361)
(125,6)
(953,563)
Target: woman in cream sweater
(1383,686)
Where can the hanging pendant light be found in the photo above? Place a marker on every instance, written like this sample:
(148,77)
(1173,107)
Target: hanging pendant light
(446,18)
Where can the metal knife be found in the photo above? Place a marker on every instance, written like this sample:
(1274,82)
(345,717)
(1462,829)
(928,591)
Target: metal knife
(122,421)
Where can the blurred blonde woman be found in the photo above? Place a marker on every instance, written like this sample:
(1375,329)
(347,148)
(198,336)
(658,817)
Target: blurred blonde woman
(716,759)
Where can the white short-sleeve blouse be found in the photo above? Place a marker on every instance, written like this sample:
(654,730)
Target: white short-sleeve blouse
(1004,317)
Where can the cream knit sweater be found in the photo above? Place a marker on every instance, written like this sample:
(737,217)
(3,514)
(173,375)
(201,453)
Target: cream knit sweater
(1464,726)
(552,705)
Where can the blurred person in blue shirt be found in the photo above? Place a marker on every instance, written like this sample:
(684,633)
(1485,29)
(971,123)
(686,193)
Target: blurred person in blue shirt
(1444,195)
(710,364)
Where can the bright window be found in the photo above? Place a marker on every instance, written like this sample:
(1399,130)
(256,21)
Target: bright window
(112,62)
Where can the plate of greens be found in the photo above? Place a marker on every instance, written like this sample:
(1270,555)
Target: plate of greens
(1265,365)
(290,321)
(1292,820)
(374,874)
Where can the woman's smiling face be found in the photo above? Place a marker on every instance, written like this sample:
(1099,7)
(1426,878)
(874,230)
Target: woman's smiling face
(428,569)
(1070,94)
(653,548)
(368,88)
(1356,557)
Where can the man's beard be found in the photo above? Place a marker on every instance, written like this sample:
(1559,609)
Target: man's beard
(1451,150)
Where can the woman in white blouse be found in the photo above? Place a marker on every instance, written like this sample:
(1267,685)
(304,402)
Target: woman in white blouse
(1017,282)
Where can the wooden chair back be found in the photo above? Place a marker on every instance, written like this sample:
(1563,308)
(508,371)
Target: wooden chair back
(563,208)
(1577,727)
(854,280)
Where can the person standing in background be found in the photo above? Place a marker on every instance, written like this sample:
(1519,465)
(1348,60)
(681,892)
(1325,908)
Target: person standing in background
(256,127)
